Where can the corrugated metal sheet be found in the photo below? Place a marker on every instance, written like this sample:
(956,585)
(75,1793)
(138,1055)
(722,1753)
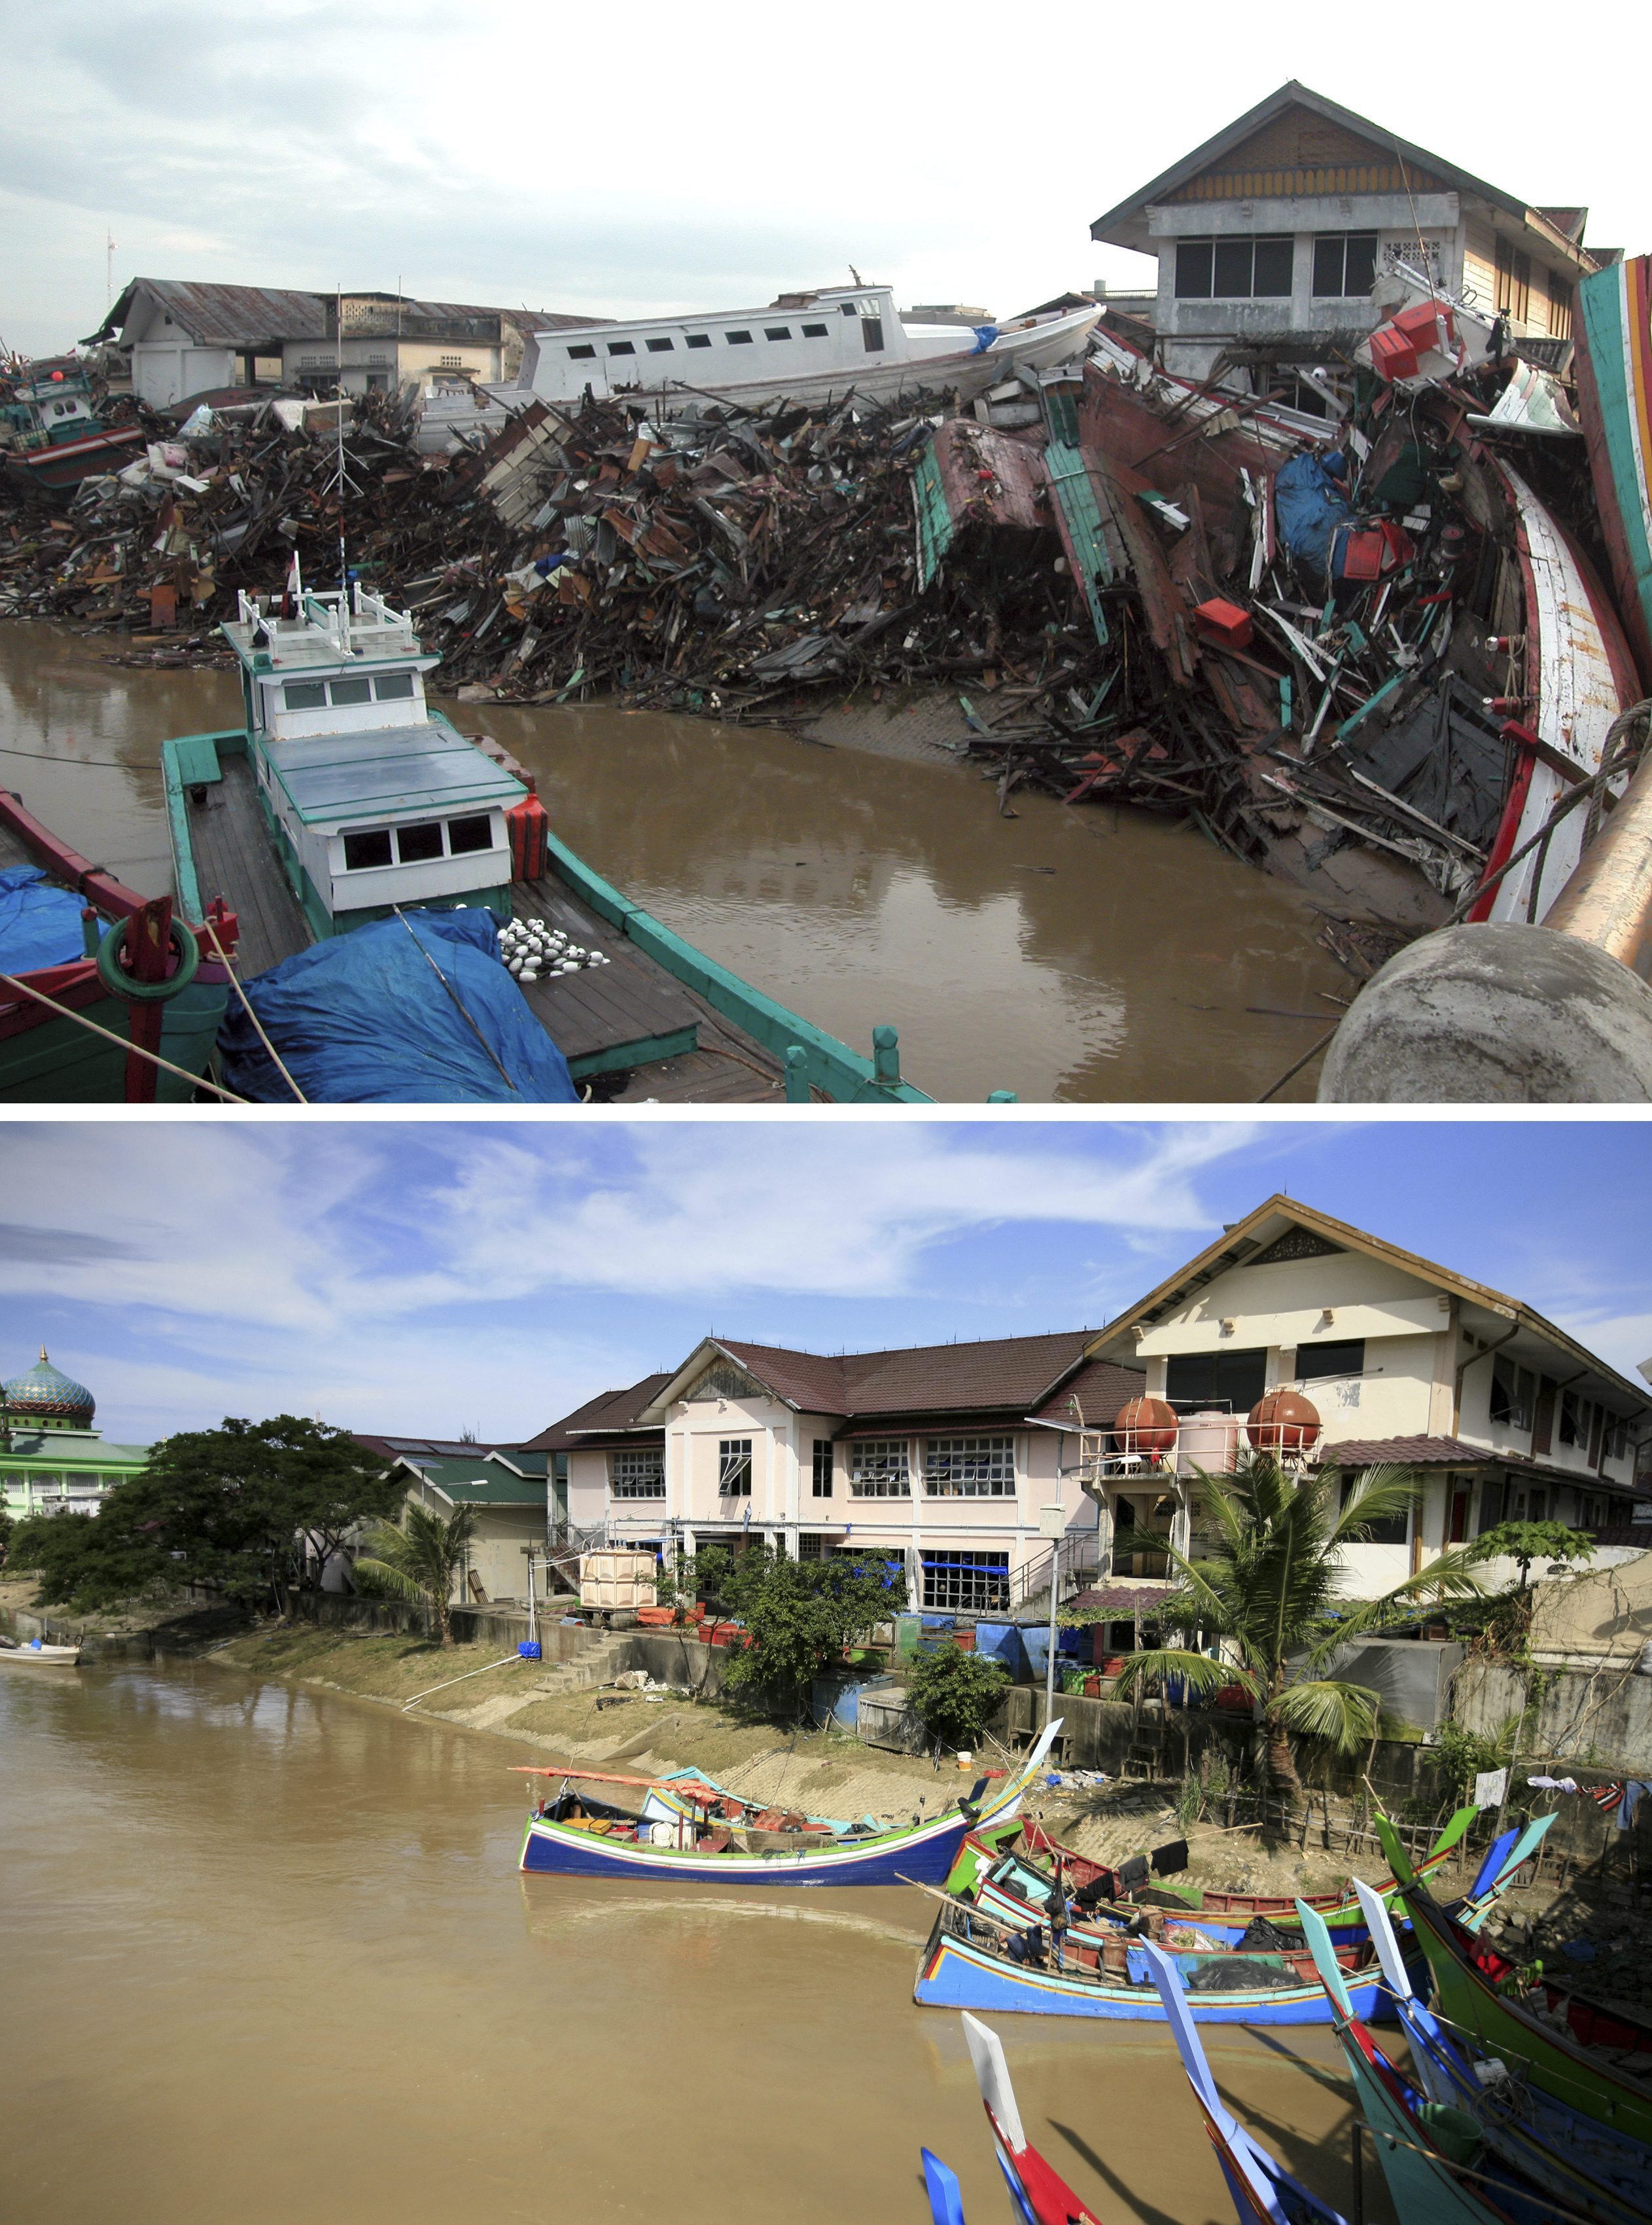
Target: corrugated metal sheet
(1089,534)
(228,316)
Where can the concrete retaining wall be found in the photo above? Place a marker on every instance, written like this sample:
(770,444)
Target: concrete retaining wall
(1599,1718)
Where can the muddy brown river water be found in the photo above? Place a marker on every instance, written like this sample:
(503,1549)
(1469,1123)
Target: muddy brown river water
(267,1957)
(1071,956)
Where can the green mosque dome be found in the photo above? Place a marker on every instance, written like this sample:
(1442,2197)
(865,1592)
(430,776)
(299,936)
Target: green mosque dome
(46,1394)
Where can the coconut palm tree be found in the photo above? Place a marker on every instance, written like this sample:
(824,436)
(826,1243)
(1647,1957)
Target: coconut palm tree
(419,1559)
(1271,1591)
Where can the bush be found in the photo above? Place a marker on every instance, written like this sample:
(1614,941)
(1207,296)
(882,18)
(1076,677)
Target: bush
(954,1693)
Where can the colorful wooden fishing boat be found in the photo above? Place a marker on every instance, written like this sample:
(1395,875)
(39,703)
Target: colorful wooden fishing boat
(1009,1870)
(1038,2193)
(1585,2166)
(76,1022)
(1614,375)
(1597,2060)
(684,1834)
(56,437)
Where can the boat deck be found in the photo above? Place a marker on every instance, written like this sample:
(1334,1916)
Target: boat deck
(233,858)
(630,1029)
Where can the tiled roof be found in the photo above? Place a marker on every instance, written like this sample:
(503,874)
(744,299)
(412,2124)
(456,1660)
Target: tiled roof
(1454,1452)
(1121,1598)
(997,1372)
(609,1409)
(1101,1388)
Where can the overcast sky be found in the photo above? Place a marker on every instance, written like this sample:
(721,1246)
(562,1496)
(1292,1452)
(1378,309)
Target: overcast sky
(623,162)
(422,1277)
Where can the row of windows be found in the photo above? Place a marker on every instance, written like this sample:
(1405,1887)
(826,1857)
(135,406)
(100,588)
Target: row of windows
(366,847)
(49,1480)
(583,351)
(1583,1423)
(1261,267)
(879,1467)
(1236,1380)
(359,687)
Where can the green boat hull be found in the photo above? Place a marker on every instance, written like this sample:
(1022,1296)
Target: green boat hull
(61,1064)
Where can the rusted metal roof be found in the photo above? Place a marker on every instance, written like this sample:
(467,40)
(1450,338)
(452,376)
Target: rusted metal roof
(226,316)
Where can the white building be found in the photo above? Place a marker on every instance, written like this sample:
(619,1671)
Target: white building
(946,1457)
(1270,236)
(936,1456)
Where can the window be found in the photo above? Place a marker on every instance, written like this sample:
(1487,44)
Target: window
(777,332)
(467,835)
(1344,263)
(583,352)
(872,334)
(1513,281)
(1575,1419)
(1345,1356)
(622,347)
(1560,306)
(847,307)
(814,332)
(823,1452)
(638,1472)
(661,347)
(879,1468)
(416,846)
(378,359)
(1514,1391)
(811,1545)
(698,339)
(342,692)
(369,848)
(737,340)
(734,1467)
(305,695)
(1233,1380)
(969,1468)
(393,688)
(1395,1531)
(974,1583)
(1234,270)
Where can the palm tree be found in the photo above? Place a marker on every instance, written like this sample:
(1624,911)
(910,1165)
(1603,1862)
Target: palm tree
(1270,1590)
(419,1559)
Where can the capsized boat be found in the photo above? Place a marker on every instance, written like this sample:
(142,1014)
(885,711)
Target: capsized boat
(1584,2166)
(347,802)
(684,1832)
(804,347)
(1595,2059)
(105,996)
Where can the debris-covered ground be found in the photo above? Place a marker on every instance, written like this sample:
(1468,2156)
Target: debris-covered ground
(1303,635)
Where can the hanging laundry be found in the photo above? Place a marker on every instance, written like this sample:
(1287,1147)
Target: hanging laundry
(1491,1788)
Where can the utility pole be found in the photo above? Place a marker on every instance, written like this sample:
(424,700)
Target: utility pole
(1052,1523)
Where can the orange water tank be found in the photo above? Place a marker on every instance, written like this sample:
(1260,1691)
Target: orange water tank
(1145,1425)
(1284,1422)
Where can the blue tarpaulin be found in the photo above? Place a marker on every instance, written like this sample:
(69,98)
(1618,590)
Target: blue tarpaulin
(1310,502)
(362,1019)
(40,925)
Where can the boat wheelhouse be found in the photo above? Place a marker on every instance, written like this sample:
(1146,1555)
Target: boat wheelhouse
(802,346)
(373,800)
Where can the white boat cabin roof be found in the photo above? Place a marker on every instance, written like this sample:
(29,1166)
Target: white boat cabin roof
(387,774)
(324,636)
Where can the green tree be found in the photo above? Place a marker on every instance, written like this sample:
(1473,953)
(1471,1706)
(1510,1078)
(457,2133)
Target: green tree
(6,1528)
(251,1510)
(419,1560)
(799,1614)
(1527,1542)
(954,1693)
(1272,1592)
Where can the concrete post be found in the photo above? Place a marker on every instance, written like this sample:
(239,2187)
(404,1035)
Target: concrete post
(1504,1015)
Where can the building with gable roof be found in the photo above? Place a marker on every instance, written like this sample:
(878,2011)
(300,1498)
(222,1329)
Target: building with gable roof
(942,1456)
(1271,237)
(51,1460)
(504,1487)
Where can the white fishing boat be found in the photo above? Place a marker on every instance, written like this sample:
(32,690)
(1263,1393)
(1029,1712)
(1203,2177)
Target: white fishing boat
(803,347)
(35,1653)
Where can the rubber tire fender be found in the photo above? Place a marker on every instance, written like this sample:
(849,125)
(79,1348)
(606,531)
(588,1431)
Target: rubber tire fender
(119,983)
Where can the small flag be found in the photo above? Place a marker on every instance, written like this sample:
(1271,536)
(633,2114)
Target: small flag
(293,591)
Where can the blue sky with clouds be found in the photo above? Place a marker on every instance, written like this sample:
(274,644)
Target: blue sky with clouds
(628,162)
(425,1277)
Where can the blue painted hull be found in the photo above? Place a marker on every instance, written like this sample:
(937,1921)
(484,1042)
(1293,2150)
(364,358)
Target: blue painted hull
(921,1857)
(956,1974)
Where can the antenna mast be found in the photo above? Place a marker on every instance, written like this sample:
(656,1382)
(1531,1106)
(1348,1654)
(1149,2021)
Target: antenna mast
(338,424)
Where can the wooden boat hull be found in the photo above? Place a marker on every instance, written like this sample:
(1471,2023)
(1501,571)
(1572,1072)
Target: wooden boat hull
(921,1857)
(40,1657)
(958,1974)
(71,461)
(1614,372)
(1579,677)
